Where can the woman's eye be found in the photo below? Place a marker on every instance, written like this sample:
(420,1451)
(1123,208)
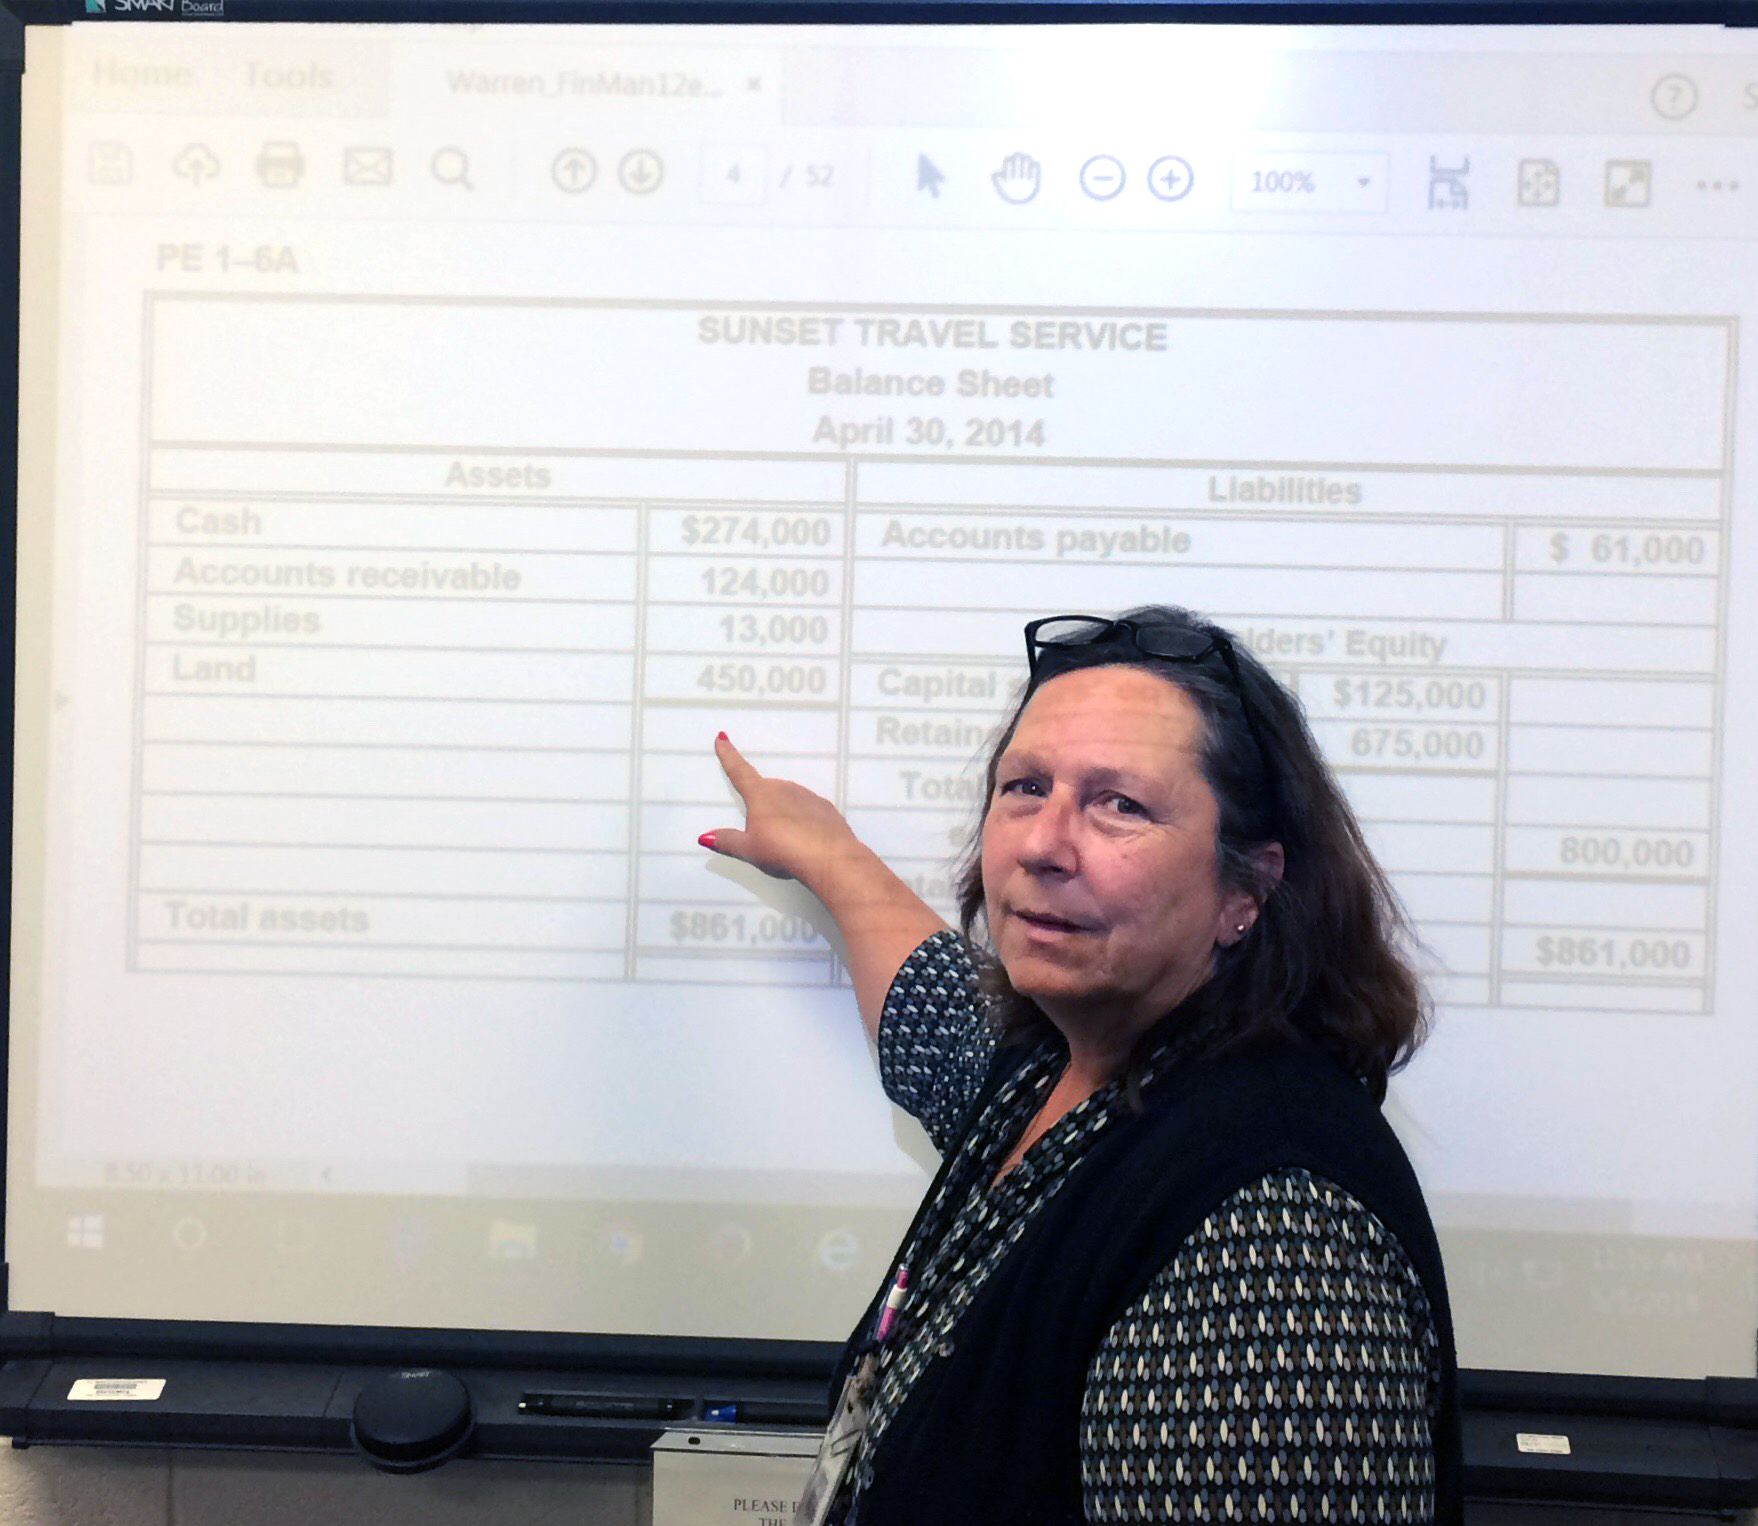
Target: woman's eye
(1124,806)
(1017,787)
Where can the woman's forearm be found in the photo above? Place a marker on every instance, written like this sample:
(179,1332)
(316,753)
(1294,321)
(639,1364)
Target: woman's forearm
(882,921)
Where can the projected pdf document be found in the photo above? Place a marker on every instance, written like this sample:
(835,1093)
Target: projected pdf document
(430,446)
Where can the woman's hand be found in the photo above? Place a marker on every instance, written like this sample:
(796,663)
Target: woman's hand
(789,832)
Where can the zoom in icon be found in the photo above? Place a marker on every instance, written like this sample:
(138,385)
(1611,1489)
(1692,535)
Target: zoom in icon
(1170,178)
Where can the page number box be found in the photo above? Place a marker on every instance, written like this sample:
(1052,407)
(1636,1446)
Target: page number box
(735,176)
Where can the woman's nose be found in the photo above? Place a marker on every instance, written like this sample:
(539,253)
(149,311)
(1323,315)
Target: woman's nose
(1048,844)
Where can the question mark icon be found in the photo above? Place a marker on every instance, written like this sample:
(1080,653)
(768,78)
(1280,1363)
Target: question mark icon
(1674,96)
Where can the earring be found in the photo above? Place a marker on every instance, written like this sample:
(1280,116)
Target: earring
(1241,929)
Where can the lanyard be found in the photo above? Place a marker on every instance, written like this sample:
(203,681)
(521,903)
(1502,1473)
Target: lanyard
(847,1425)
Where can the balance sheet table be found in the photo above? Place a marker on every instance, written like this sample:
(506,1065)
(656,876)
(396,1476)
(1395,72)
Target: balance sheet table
(441,704)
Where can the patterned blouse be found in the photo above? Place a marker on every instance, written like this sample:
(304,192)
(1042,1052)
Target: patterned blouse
(1283,1367)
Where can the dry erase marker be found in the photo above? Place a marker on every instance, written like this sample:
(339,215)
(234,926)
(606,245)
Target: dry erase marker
(893,1302)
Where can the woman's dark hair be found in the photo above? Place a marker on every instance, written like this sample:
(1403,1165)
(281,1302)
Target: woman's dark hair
(1328,959)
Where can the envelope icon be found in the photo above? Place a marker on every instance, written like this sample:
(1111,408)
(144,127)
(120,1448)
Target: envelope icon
(366,166)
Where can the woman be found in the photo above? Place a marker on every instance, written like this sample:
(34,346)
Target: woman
(1175,1266)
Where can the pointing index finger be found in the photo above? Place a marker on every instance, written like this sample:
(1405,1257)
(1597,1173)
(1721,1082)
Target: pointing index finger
(739,773)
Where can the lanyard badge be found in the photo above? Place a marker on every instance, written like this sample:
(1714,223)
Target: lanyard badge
(842,1439)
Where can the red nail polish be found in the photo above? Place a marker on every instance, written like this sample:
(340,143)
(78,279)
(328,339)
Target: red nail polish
(707,841)
(721,737)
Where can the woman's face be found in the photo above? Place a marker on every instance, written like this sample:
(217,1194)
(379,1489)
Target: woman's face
(1099,852)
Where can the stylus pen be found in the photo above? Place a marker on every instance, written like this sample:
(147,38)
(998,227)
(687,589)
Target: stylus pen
(580,1406)
(893,1302)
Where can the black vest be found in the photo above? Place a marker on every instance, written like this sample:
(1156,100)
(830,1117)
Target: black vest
(990,1432)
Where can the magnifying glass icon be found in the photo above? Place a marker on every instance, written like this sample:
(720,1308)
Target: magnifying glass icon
(451,166)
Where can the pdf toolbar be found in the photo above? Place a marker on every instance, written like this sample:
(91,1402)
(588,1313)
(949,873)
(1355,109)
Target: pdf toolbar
(396,125)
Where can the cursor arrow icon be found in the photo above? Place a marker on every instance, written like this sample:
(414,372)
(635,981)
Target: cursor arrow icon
(928,176)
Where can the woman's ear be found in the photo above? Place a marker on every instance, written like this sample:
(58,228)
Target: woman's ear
(1240,912)
(1269,861)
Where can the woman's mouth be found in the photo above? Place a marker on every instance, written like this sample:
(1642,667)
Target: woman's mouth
(1044,921)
